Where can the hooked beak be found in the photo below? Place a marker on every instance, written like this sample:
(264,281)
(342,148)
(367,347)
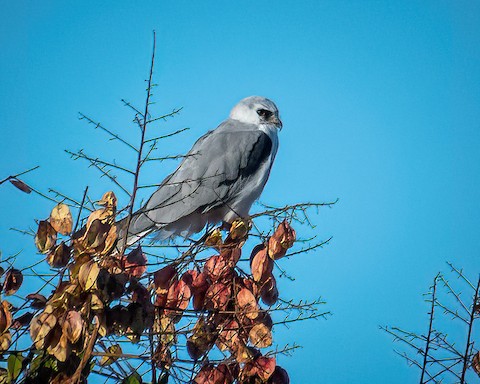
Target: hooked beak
(278,123)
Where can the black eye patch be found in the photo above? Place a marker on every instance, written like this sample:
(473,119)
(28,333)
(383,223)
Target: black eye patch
(264,113)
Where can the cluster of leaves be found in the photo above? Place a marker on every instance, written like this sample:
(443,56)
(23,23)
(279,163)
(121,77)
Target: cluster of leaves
(105,295)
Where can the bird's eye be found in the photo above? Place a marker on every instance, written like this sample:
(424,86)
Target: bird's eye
(264,113)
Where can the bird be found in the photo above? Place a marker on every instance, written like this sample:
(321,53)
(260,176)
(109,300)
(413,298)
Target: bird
(218,180)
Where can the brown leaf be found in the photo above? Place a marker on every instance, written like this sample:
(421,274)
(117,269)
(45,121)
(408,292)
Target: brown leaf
(247,304)
(40,327)
(214,239)
(73,326)
(38,300)
(279,376)
(269,291)
(239,229)
(61,219)
(260,336)
(5,316)
(58,345)
(5,341)
(108,200)
(201,339)
(216,268)
(59,257)
(228,335)
(46,236)
(231,255)
(265,367)
(112,354)
(476,363)
(245,353)
(135,263)
(13,281)
(261,265)
(261,367)
(111,240)
(283,238)
(217,296)
(23,320)
(166,330)
(87,275)
(178,297)
(95,235)
(203,376)
(162,280)
(21,185)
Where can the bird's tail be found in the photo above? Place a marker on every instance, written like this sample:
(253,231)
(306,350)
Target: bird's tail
(132,234)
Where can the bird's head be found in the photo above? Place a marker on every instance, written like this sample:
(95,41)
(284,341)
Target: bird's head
(256,110)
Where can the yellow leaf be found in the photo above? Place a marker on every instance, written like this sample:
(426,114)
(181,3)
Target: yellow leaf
(61,219)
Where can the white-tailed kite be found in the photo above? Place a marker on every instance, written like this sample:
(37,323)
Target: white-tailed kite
(218,180)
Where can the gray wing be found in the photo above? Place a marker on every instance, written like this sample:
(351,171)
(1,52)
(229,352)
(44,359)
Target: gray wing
(213,172)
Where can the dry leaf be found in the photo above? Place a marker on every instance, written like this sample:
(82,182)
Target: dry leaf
(279,376)
(111,240)
(59,257)
(228,336)
(5,341)
(5,316)
(162,279)
(112,354)
(283,238)
(61,219)
(261,265)
(178,297)
(95,235)
(265,367)
(216,268)
(73,326)
(21,185)
(269,291)
(476,363)
(59,345)
(38,300)
(40,327)
(87,275)
(13,281)
(239,229)
(245,354)
(214,239)
(217,296)
(135,263)
(201,339)
(23,320)
(46,236)
(247,304)
(108,200)
(260,336)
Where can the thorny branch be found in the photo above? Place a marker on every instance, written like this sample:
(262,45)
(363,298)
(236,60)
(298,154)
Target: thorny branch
(440,354)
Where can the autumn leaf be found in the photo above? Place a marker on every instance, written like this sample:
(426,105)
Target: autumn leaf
(21,185)
(282,239)
(112,354)
(260,336)
(13,281)
(61,219)
(46,236)
(73,326)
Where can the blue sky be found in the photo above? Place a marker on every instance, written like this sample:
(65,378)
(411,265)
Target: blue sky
(380,104)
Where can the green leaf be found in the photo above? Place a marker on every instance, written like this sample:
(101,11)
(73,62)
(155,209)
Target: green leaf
(14,364)
(134,378)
